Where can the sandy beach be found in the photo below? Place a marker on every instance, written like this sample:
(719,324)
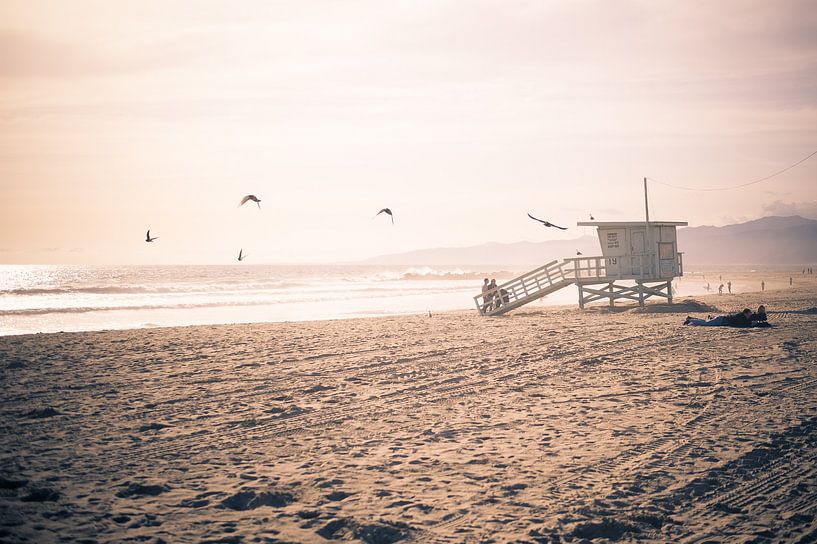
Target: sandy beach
(545,425)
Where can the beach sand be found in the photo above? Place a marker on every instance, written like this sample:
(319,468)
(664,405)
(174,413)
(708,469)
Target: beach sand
(545,425)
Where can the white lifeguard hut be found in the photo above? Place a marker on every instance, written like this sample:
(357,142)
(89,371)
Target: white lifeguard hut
(638,260)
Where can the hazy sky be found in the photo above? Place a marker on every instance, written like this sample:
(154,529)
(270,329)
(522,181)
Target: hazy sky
(461,117)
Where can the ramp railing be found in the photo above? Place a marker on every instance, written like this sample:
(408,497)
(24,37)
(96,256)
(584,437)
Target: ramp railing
(526,288)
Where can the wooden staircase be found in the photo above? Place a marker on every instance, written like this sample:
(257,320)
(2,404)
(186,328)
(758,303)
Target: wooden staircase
(528,287)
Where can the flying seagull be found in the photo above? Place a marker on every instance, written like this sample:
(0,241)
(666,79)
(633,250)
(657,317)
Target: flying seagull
(241,257)
(250,197)
(388,212)
(148,238)
(592,218)
(578,252)
(546,223)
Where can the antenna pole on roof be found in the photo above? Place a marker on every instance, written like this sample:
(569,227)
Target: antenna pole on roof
(647,242)
(646,204)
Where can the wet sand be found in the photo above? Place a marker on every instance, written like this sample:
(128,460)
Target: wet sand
(545,425)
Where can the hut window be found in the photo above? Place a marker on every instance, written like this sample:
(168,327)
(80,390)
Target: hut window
(666,250)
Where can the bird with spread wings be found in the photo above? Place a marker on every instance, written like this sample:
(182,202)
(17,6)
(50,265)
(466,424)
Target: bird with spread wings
(387,212)
(250,197)
(546,223)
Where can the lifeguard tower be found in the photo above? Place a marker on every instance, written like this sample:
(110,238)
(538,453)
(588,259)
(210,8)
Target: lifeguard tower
(638,260)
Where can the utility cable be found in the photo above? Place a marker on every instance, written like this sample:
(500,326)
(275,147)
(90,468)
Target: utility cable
(798,163)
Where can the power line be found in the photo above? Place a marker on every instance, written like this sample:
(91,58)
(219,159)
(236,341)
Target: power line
(798,163)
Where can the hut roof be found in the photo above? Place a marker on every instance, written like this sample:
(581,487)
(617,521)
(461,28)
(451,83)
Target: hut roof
(631,223)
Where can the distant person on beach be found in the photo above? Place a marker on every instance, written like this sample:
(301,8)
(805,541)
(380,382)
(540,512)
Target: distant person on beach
(729,286)
(762,285)
(486,296)
(735,320)
(790,281)
(720,289)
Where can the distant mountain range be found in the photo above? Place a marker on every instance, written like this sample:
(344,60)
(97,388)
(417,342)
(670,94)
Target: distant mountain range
(766,241)
(769,241)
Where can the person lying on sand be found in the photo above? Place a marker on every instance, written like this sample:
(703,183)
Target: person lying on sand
(759,316)
(735,320)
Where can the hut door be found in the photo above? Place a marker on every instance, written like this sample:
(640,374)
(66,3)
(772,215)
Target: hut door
(637,242)
(666,256)
(636,250)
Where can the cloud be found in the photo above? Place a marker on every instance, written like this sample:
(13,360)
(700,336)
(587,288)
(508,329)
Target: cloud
(780,208)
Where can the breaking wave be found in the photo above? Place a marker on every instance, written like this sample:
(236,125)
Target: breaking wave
(428,273)
(142,289)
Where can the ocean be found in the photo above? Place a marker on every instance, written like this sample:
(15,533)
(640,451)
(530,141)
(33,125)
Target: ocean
(36,298)
(53,298)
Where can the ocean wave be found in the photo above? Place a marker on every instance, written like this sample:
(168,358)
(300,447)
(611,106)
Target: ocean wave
(429,273)
(144,289)
(86,309)
(298,298)
(106,290)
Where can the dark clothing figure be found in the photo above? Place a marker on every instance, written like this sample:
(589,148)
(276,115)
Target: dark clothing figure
(759,316)
(738,320)
(729,286)
(487,296)
(493,299)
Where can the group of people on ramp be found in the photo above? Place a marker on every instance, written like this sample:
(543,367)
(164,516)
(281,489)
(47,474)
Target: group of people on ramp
(492,296)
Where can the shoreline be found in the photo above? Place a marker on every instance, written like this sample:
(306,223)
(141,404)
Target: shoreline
(620,307)
(37,310)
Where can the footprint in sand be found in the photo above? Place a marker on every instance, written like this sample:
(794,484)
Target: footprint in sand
(250,500)
(137,490)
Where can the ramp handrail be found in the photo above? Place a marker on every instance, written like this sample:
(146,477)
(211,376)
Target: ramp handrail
(527,286)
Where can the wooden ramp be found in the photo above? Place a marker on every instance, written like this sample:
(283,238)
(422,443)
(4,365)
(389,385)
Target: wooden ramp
(529,286)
